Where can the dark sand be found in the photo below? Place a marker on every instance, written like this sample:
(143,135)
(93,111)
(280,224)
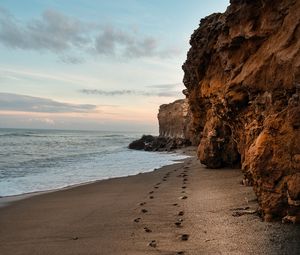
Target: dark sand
(98,218)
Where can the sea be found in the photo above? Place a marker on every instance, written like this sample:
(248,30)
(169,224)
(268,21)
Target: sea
(41,160)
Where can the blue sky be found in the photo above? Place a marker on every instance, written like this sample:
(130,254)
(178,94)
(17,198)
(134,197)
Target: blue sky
(104,65)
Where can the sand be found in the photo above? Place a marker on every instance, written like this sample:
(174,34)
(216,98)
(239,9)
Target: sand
(119,216)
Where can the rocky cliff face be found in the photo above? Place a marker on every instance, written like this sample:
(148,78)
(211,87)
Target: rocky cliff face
(242,76)
(175,121)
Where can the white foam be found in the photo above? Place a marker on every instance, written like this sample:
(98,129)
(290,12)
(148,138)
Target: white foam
(122,163)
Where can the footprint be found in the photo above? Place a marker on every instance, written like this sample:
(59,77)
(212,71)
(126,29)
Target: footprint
(183,187)
(137,220)
(75,238)
(151,197)
(151,192)
(183,197)
(152,244)
(144,210)
(178,224)
(181,213)
(143,203)
(157,184)
(156,187)
(185,179)
(184,237)
(175,204)
(180,253)
(147,230)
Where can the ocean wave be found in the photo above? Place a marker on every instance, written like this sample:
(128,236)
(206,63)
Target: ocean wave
(53,161)
(21,135)
(113,136)
(29,163)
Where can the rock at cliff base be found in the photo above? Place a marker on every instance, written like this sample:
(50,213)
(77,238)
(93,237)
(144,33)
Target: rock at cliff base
(141,143)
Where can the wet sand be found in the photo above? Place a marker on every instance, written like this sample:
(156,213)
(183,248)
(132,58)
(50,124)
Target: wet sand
(178,209)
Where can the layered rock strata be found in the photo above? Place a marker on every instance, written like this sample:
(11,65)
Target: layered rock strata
(242,76)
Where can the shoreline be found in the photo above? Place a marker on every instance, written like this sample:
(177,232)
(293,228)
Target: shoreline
(6,200)
(118,216)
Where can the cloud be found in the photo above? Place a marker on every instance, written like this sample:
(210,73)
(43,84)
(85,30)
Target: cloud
(114,42)
(47,121)
(54,31)
(22,103)
(164,90)
(20,74)
(67,59)
(60,34)
(167,86)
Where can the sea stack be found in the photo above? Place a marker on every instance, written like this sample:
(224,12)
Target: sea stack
(242,76)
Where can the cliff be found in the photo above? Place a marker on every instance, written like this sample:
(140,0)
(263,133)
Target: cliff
(175,121)
(175,129)
(242,76)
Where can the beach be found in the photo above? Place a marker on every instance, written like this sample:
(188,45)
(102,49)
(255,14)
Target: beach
(182,208)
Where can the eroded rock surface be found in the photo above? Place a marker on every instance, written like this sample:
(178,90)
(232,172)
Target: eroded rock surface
(242,76)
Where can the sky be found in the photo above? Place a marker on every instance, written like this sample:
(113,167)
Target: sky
(94,64)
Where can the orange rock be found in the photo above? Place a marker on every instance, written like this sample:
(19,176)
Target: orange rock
(242,76)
